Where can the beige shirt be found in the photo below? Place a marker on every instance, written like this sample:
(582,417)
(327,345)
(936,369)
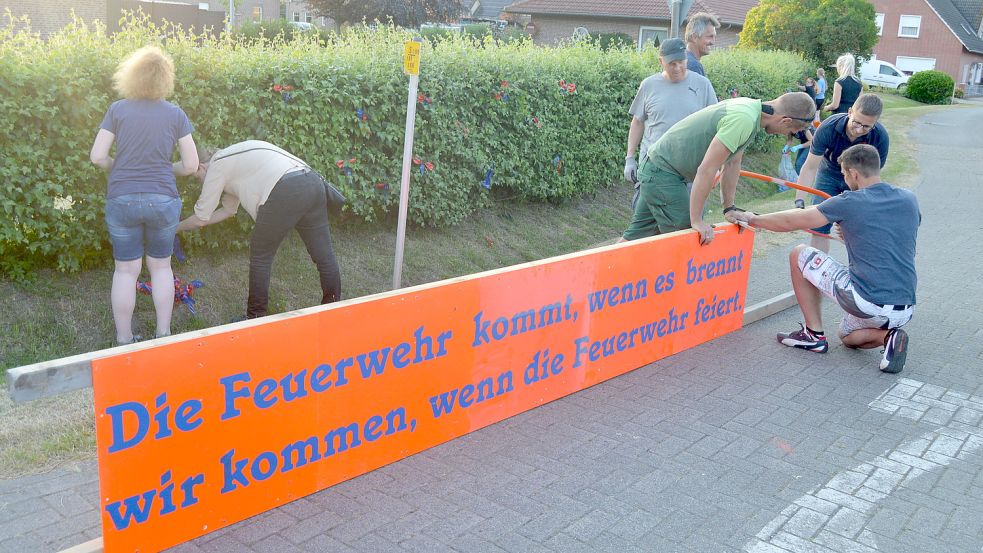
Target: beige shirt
(245,178)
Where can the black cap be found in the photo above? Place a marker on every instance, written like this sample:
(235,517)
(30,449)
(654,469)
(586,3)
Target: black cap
(673,49)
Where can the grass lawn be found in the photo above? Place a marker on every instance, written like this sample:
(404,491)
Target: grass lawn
(57,315)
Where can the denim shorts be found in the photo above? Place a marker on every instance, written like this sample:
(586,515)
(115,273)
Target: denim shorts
(142,219)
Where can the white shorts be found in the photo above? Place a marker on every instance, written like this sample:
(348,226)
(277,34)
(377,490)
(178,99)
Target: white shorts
(833,280)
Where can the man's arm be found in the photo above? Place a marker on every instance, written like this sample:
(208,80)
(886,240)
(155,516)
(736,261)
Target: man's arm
(784,221)
(716,155)
(807,176)
(635,133)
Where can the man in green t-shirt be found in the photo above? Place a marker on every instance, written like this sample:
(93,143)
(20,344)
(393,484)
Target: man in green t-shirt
(695,148)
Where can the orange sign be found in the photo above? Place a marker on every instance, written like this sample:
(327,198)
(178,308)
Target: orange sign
(198,434)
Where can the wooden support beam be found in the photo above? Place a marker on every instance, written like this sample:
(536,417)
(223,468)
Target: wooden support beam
(769,307)
(91,546)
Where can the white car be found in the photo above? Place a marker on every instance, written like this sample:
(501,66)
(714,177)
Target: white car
(884,74)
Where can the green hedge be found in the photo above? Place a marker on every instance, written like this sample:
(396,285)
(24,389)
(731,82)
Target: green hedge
(930,87)
(493,106)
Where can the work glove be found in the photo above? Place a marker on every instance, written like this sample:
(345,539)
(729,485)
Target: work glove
(631,169)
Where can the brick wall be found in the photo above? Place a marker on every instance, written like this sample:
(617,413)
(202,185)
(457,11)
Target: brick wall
(935,40)
(50,15)
(551,29)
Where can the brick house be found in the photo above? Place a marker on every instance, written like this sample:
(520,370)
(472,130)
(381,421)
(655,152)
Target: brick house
(485,10)
(946,35)
(267,10)
(549,21)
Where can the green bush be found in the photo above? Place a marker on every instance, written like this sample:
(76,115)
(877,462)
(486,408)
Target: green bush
(607,41)
(930,87)
(496,107)
(254,30)
(754,74)
(478,31)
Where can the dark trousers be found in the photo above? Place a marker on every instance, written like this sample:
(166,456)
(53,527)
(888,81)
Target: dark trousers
(297,201)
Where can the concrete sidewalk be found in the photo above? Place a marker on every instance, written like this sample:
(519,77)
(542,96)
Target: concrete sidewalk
(737,445)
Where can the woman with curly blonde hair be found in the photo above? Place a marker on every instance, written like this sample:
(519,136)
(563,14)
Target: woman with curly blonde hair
(143,206)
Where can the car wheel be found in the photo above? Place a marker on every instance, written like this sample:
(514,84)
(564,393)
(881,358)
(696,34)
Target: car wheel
(901,88)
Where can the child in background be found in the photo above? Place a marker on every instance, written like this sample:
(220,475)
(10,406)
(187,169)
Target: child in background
(801,150)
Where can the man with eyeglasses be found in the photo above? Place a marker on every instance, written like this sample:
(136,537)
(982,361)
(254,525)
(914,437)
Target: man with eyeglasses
(694,149)
(837,133)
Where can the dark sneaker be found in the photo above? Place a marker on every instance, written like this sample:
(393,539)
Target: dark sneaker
(895,351)
(803,339)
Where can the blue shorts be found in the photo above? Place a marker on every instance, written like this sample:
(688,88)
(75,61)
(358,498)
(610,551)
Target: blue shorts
(135,220)
(834,185)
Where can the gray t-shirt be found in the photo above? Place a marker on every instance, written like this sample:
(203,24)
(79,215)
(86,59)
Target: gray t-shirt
(146,133)
(661,103)
(880,226)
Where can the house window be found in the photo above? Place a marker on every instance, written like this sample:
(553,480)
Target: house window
(308,17)
(297,16)
(879,21)
(283,9)
(651,36)
(257,13)
(909,26)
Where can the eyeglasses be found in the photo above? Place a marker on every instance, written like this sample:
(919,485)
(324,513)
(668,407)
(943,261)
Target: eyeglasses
(861,125)
(803,119)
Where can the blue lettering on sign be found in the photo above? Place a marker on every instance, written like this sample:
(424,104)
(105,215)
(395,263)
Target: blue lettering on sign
(598,349)
(241,472)
(489,330)
(185,419)
(443,404)
(714,269)
(136,509)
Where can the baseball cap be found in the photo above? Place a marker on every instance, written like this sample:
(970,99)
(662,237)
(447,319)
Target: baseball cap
(673,49)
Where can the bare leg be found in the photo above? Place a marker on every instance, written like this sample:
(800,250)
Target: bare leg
(820,243)
(123,297)
(162,278)
(864,338)
(808,296)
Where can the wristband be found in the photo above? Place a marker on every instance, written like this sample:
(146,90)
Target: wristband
(730,208)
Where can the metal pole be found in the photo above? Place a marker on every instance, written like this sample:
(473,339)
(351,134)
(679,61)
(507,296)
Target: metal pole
(404,184)
(674,19)
(232,15)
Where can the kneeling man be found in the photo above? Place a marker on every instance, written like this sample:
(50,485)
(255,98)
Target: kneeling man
(879,224)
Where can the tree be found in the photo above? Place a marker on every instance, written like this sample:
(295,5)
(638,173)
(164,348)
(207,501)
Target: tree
(405,13)
(820,30)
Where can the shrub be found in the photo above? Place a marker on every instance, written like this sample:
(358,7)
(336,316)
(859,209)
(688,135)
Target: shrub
(607,41)
(930,87)
(754,74)
(496,108)
(478,31)
(254,30)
